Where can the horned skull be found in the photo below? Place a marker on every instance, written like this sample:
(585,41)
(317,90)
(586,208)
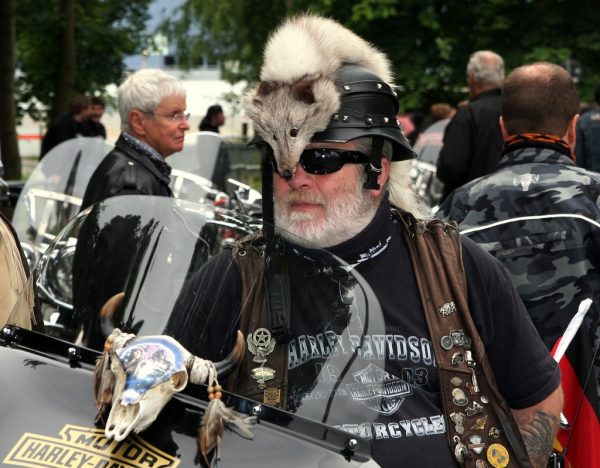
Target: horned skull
(139,376)
(148,372)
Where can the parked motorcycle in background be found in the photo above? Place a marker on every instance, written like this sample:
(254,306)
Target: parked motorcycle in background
(52,195)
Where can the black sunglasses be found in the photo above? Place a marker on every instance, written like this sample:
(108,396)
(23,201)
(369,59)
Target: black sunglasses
(324,160)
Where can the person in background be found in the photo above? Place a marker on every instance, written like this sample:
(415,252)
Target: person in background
(472,139)
(441,111)
(538,214)
(211,122)
(94,124)
(68,125)
(213,119)
(587,146)
(152,107)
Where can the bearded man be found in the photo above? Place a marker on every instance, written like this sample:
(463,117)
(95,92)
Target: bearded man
(348,191)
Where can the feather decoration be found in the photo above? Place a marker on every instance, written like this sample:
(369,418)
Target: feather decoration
(216,417)
(572,328)
(104,379)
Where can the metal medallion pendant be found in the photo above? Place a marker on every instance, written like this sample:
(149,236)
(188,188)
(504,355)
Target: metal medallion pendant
(476,444)
(261,344)
(497,455)
(460,450)
(262,375)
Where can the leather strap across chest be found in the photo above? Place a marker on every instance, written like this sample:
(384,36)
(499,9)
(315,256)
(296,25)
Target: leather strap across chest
(479,424)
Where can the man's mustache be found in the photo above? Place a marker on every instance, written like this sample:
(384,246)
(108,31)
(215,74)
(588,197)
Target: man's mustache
(303,197)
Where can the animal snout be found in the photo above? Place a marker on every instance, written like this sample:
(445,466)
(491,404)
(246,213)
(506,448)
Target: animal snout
(287,174)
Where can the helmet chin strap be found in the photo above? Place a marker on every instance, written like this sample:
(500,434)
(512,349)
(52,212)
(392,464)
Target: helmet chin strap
(374,167)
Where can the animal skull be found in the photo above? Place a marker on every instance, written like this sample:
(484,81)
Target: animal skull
(148,371)
(140,375)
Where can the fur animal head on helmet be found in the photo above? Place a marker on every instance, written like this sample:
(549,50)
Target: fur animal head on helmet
(318,75)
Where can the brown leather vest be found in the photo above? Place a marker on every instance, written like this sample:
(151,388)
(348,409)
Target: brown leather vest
(479,424)
(254,318)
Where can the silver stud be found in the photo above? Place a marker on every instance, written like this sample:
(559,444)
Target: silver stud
(369,121)
(386,120)
(336,117)
(351,444)
(345,118)
(379,85)
(346,88)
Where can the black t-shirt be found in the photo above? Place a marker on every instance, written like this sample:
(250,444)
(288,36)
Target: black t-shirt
(404,417)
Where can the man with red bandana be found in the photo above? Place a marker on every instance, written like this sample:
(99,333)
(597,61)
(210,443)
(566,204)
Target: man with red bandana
(538,214)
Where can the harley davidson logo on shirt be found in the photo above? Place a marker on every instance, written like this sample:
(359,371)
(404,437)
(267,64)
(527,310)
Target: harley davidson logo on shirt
(84,446)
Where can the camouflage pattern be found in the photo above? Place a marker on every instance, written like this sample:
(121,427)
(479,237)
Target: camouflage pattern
(554,258)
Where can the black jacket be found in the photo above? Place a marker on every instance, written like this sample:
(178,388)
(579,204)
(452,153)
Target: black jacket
(472,142)
(125,171)
(62,129)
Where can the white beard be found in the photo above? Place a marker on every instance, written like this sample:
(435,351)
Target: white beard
(351,209)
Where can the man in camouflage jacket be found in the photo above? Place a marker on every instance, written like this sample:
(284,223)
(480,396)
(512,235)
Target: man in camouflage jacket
(538,213)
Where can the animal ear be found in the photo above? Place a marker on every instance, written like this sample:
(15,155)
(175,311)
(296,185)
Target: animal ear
(303,91)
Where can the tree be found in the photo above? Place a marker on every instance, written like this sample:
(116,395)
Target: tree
(62,49)
(227,31)
(8,134)
(73,47)
(428,41)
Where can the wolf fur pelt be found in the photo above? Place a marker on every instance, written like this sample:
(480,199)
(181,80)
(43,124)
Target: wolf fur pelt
(296,95)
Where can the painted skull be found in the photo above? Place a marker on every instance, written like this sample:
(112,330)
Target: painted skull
(148,372)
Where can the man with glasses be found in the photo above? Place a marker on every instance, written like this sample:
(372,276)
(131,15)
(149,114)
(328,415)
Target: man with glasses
(152,107)
(350,193)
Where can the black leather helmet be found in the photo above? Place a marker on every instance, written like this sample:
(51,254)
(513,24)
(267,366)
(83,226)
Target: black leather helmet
(368,108)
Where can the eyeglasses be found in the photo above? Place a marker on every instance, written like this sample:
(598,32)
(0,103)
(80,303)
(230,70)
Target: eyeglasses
(324,160)
(173,117)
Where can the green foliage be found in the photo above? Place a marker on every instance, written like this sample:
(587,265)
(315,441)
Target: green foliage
(106,31)
(428,41)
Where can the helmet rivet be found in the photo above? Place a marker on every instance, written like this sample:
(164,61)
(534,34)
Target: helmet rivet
(386,120)
(369,121)
(379,85)
(345,118)
(336,117)
(346,88)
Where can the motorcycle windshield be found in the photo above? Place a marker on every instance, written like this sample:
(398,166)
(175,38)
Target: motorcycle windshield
(199,154)
(53,193)
(156,265)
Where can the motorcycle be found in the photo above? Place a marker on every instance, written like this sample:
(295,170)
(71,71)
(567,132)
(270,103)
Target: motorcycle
(424,167)
(52,195)
(149,250)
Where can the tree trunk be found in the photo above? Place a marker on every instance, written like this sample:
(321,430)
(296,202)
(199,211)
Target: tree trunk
(65,77)
(8,125)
